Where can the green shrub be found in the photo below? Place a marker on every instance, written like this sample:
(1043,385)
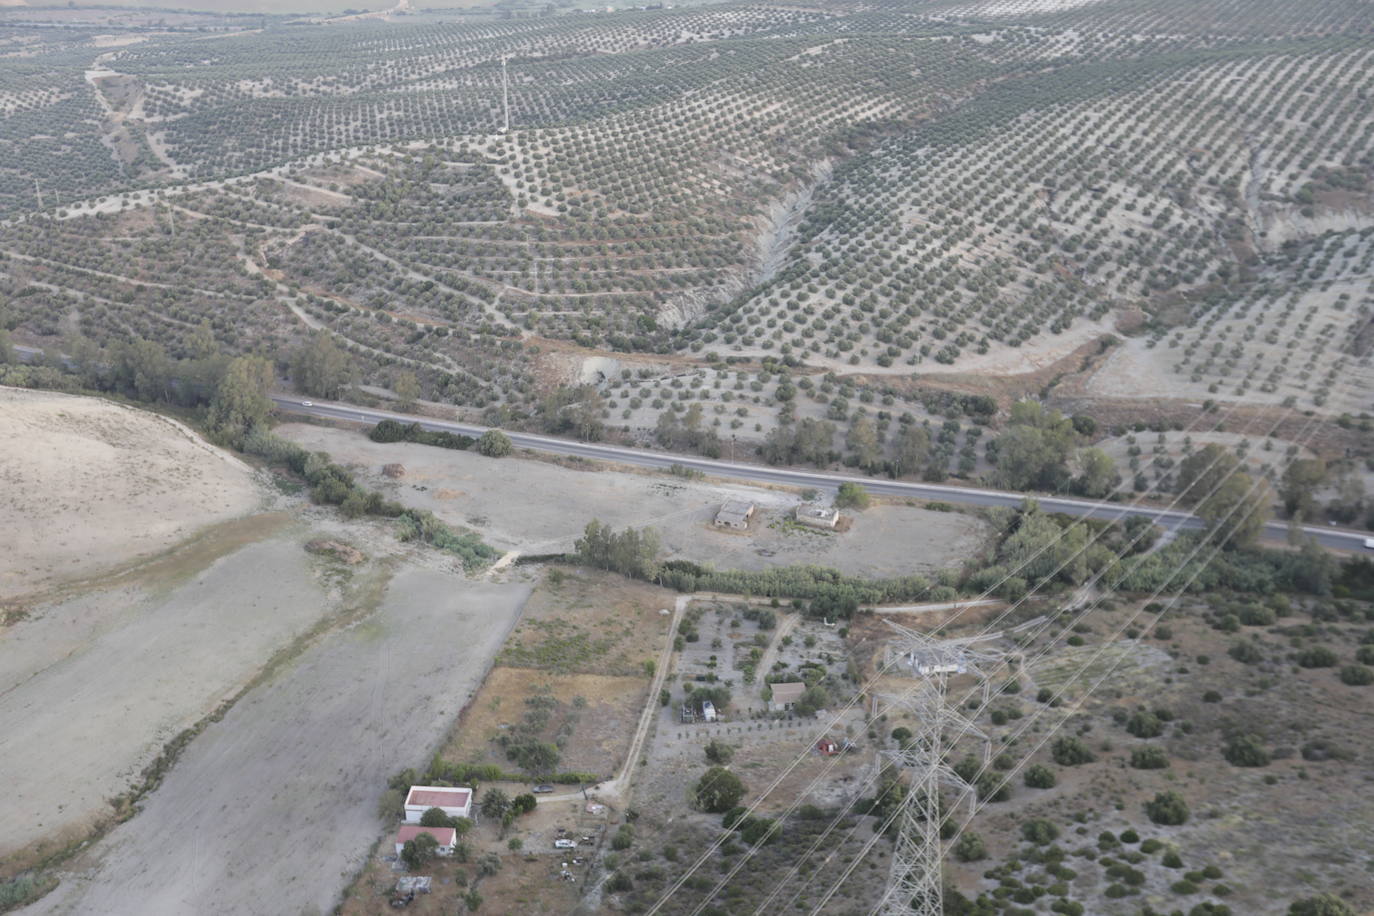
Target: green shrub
(758,830)
(1167,808)
(970,848)
(1039,831)
(1317,657)
(1069,751)
(25,888)
(494,444)
(852,496)
(1149,758)
(1039,776)
(1246,751)
(1144,725)
(1257,615)
(1327,904)
(1357,675)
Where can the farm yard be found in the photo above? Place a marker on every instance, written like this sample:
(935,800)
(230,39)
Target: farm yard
(540,508)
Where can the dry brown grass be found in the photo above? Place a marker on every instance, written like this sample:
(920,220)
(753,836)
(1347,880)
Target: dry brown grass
(602,727)
(590,622)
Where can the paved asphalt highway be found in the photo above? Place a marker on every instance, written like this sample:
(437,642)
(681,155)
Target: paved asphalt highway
(1333,538)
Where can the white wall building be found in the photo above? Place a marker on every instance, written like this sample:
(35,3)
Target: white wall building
(446,837)
(455,801)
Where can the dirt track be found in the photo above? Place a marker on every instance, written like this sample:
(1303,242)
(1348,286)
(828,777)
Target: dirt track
(272,809)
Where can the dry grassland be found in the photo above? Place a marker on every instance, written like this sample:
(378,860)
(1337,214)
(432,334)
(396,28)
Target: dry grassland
(603,723)
(590,622)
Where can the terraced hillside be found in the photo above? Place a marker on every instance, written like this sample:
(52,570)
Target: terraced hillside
(878,190)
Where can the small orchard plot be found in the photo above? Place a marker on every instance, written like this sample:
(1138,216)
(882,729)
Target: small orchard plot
(1153,458)
(718,644)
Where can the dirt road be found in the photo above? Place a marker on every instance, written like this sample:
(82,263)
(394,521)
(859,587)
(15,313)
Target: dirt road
(272,809)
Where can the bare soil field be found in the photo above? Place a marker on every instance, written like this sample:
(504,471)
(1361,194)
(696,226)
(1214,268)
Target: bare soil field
(92,686)
(273,808)
(538,507)
(93,484)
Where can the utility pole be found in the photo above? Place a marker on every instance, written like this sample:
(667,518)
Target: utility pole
(915,885)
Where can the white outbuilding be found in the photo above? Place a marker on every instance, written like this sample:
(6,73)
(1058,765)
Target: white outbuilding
(445,837)
(455,801)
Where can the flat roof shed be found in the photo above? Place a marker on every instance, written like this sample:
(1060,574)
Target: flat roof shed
(455,801)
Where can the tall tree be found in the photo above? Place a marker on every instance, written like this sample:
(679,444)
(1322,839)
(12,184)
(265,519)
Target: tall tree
(1097,473)
(862,441)
(913,446)
(1299,484)
(202,343)
(1237,511)
(407,388)
(320,368)
(1033,452)
(241,403)
(1203,471)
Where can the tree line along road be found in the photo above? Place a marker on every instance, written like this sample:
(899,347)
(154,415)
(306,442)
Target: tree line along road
(1331,538)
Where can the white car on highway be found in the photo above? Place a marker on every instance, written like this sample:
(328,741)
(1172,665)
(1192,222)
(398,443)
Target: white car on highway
(307,403)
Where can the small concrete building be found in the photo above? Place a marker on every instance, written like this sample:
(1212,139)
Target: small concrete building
(818,516)
(735,513)
(446,837)
(410,885)
(455,801)
(785,695)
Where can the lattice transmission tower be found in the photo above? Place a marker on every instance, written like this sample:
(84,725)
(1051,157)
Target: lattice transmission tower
(915,885)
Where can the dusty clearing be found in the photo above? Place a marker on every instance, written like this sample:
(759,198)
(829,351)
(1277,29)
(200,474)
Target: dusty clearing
(274,807)
(93,686)
(93,484)
(537,507)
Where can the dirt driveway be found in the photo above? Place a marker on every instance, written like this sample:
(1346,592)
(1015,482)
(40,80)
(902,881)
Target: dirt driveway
(273,809)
